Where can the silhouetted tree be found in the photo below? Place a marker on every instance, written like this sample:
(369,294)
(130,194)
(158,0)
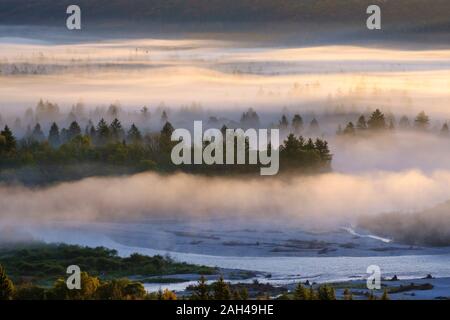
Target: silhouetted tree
(422,121)
(314,126)
(116,131)
(102,132)
(322,147)
(37,134)
(284,124)
(10,140)
(362,123)
(74,130)
(297,123)
(377,121)
(250,119)
(349,129)
(53,135)
(134,135)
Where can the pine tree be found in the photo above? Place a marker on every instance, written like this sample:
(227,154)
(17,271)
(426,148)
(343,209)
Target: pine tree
(6,285)
(314,126)
(102,132)
(37,134)
(361,124)
(201,291)
(134,135)
(53,135)
(377,121)
(10,140)
(167,130)
(116,130)
(284,123)
(310,145)
(301,293)
(322,147)
(325,292)
(250,119)
(74,130)
(422,121)
(88,128)
(221,290)
(349,129)
(297,123)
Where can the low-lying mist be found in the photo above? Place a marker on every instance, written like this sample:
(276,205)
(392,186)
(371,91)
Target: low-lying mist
(323,200)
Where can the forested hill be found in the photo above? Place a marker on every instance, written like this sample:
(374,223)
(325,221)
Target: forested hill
(422,14)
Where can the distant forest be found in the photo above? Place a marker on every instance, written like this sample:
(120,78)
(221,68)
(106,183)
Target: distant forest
(420,13)
(111,144)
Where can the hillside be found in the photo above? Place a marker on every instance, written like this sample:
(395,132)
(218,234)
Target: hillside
(421,14)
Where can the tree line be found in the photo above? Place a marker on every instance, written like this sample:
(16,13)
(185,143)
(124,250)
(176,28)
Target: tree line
(378,122)
(111,143)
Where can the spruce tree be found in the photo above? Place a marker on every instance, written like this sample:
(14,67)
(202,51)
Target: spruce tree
(134,135)
(167,130)
(221,290)
(377,121)
(322,147)
(284,123)
(301,293)
(361,124)
(37,134)
(297,123)
(325,292)
(314,125)
(116,130)
(422,121)
(10,140)
(349,129)
(53,135)
(74,130)
(102,132)
(201,291)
